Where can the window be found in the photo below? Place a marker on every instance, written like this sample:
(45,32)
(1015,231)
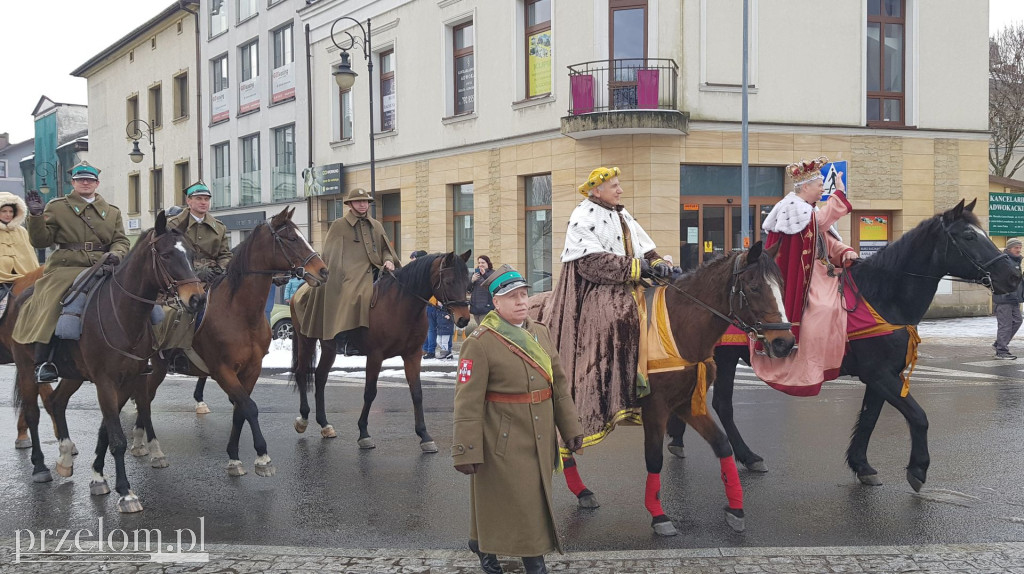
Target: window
(131,55)
(152,43)
(3,168)
(462,58)
(221,185)
(463,218)
(250,176)
(538,232)
(220,73)
(627,40)
(282,82)
(156,106)
(182,179)
(282,177)
(219,95)
(335,209)
(134,193)
(248,87)
(886,20)
(387,91)
(538,47)
(246,9)
(181,96)
(157,189)
(345,115)
(218,17)
(179,27)
(391,217)
(132,108)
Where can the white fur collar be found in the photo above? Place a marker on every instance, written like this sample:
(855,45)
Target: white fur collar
(789,216)
(19,210)
(596,229)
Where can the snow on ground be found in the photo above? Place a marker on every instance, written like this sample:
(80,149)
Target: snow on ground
(280,357)
(960,327)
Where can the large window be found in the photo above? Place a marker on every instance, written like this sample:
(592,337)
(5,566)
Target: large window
(219,94)
(250,176)
(885,59)
(156,106)
(283,175)
(246,9)
(627,40)
(282,82)
(181,96)
(218,17)
(462,203)
(391,217)
(221,184)
(248,85)
(182,179)
(462,58)
(345,114)
(387,91)
(538,47)
(134,194)
(3,168)
(538,232)
(156,187)
(131,108)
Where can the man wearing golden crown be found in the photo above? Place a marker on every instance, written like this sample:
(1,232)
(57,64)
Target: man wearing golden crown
(811,257)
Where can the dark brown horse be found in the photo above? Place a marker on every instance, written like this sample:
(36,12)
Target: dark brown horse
(398,326)
(743,288)
(234,335)
(115,342)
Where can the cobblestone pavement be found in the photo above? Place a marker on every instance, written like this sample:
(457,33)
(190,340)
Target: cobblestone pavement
(1001,558)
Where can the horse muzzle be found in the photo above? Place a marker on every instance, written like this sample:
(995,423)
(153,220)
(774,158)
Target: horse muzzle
(196,302)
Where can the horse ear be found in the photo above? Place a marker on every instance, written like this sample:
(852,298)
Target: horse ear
(291,212)
(954,214)
(161,223)
(774,249)
(465,256)
(280,217)
(970,206)
(754,255)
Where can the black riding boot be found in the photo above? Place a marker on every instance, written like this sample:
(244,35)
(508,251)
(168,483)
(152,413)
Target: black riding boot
(488,562)
(46,371)
(534,565)
(344,346)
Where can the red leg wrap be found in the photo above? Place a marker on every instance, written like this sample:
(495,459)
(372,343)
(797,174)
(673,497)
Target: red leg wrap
(572,477)
(731,480)
(651,495)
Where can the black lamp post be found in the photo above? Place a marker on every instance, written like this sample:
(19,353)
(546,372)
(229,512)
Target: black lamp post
(44,168)
(345,78)
(135,132)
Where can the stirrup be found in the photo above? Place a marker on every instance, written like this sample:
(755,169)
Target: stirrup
(46,373)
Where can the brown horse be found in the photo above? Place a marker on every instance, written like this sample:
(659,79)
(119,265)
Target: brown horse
(743,289)
(234,335)
(112,351)
(398,326)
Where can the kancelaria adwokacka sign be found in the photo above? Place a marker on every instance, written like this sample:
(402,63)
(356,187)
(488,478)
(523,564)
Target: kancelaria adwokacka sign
(1006,214)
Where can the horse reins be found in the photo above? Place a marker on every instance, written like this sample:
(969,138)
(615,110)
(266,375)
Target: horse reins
(298,270)
(984,280)
(448,304)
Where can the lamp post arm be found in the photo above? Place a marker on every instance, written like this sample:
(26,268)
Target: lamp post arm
(363,42)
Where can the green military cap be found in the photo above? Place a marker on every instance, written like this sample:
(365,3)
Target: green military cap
(84,171)
(198,188)
(504,280)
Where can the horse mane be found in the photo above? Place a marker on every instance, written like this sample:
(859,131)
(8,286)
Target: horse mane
(238,267)
(416,273)
(707,275)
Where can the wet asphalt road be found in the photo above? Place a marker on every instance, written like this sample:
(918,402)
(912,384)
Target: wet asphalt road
(329,493)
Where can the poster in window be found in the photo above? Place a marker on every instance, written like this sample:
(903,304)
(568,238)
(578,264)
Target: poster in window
(283,83)
(219,106)
(464,84)
(249,95)
(874,233)
(540,63)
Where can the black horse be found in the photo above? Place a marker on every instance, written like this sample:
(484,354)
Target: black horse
(899,282)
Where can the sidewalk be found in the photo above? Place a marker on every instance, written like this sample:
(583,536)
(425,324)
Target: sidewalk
(1001,558)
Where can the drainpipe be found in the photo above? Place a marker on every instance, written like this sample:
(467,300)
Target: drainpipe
(309,126)
(183,4)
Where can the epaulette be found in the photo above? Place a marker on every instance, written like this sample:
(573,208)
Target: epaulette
(477,332)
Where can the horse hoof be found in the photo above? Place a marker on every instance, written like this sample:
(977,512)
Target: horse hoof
(99,488)
(915,483)
(301,424)
(428,446)
(22,443)
(265,470)
(74,450)
(42,476)
(664,527)
(679,451)
(202,408)
(235,468)
(588,500)
(734,518)
(870,480)
(129,504)
(64,471)
(756,466)
(327,432)
(366,443)
(159,462)
(140,450)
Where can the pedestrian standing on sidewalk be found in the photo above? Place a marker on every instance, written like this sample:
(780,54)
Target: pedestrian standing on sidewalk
(510,397)
(1007,307)
(480,302)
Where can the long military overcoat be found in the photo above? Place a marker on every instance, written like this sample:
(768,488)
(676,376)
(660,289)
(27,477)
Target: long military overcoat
(353,248)
(66,220)
(515,444)
(208,238)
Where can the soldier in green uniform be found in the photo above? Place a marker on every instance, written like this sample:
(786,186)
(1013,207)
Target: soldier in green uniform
(85,229)
(212,255)
(510,397)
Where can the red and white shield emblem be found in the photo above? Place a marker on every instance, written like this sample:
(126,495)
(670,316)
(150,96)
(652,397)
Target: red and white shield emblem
(465,370)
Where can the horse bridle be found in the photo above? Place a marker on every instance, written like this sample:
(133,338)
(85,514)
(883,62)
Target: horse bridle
(298,270)
(984,280)
(448,305)
(170,283)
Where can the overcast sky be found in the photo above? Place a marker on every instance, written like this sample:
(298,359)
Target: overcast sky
(45,39)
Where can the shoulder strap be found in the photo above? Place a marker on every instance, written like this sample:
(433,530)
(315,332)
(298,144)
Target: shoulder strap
(519,353)
(86,222)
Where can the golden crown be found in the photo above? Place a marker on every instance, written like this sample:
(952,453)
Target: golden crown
(806,170)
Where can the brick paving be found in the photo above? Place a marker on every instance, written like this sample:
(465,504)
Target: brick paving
(990,558)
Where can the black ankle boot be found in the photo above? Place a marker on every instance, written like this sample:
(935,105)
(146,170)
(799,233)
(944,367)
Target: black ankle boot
(534,565)
(488,562)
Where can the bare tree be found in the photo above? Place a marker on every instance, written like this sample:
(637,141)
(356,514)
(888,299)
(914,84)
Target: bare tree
(1006,100)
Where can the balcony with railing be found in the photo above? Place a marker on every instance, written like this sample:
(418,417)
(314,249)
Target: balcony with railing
(250,188)
(632,96)
(282,181)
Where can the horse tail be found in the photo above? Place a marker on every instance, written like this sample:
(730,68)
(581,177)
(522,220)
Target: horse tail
(16,396)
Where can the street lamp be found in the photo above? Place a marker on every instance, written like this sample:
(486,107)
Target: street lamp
(135,133)
(50,168)
(345,78)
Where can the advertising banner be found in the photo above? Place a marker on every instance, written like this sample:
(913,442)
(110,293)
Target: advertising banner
(283,83)
(249,95)
(219,107)
(1006,214)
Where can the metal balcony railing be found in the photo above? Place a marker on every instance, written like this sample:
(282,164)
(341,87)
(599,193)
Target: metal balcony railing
(630,84)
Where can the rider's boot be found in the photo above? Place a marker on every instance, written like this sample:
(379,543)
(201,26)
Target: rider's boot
(488,562)
(534,565)
(345,346)
(46,371)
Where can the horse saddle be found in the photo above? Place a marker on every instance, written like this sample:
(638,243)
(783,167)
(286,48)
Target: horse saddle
(75,301)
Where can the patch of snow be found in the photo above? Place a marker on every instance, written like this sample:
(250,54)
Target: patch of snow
(959,327)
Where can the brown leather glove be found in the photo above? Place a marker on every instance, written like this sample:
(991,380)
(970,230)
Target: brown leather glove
(34,202)
(575,445)
(111,258)
(468,468)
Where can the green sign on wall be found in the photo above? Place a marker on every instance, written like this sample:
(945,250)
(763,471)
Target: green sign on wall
(1006,214)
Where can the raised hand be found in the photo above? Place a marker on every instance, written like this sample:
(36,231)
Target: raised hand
(34,202)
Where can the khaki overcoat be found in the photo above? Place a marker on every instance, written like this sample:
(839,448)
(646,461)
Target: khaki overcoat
(208,238)
(66,220)
(17,257)
(353,248)
(515,444)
